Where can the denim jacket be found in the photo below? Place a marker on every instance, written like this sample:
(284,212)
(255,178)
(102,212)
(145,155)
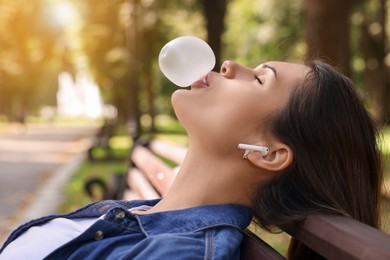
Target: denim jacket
(205,232)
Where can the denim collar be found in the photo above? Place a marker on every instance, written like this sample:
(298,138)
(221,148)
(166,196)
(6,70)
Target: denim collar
(193,219)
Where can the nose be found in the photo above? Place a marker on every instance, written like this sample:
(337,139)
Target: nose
(228,69)
(231,69)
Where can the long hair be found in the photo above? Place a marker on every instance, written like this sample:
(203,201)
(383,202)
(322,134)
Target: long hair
(336,167)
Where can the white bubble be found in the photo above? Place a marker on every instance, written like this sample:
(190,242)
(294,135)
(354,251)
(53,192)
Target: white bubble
(185,60)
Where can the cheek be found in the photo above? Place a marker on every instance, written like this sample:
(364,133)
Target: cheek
(228,119)
(221,115)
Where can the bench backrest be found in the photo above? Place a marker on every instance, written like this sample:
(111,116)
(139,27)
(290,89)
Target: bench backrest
(333,237)
(337,237)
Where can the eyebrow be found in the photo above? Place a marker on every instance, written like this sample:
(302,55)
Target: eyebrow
(271,68)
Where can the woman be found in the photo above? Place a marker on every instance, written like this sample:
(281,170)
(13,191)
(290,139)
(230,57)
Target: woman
(321,158)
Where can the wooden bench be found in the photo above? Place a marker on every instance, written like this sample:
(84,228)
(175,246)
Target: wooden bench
(151,175)
(102,139)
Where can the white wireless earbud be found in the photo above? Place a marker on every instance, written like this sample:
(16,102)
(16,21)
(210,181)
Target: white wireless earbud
(262,149)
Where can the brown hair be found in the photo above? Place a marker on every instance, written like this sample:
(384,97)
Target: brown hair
(336,167)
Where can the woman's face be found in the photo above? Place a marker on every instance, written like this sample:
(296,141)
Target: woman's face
(233,104)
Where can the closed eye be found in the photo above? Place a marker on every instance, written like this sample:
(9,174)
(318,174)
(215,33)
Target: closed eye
(258,79)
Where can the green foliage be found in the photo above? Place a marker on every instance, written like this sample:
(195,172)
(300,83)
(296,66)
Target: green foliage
(384,142)
(261,30)
(29,48)
(35,46)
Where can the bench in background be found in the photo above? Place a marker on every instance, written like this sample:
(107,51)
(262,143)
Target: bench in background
(334,237)
(102,139)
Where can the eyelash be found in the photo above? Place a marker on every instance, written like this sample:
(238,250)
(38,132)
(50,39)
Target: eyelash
(258,79)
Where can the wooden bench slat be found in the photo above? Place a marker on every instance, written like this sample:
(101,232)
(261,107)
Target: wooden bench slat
(160,175)
(171,151)
(140,185)
(129,194)
(337,237)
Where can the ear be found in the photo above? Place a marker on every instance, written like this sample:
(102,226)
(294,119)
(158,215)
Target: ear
(279,158)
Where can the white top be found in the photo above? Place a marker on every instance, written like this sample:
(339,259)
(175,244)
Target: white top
(39,241)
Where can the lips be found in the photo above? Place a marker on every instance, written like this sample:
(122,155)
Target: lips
(204,80)
(202,83)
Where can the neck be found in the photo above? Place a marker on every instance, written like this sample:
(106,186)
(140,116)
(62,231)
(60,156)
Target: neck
(206,177)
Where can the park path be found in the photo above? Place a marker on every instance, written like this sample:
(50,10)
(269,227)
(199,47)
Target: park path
(36,162)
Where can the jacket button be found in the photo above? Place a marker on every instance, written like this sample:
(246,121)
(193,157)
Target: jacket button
(99,235)
(119,214)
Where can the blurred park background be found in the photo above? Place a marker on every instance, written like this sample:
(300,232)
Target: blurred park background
(98,58)
(94,62)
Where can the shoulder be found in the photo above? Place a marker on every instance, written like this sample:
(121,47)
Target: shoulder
(226,242)
(211,243)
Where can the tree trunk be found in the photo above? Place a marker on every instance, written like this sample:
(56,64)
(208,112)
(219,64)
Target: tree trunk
(133,122)
(214,11)
(148,56)
(328,31)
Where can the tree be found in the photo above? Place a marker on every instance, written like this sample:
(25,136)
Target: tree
(103,42)
(257,31)
(214,12)
(27,52)
(328,31)
(121,40)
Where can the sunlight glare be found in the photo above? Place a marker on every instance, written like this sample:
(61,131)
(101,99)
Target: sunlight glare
(64,13)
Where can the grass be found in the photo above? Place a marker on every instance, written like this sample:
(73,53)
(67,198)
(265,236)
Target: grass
(120,145)
(75,195)
(101,168)
(63,120)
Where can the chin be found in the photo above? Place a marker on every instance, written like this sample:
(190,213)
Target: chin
(180,108)
(190,112)
(179,97)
